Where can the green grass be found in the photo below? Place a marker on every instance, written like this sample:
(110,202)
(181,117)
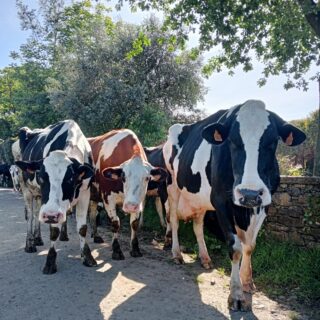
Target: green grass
(279,267)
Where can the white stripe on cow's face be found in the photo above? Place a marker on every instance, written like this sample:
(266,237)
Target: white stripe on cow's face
(110,144)
(136,178)
(253,121)
(56,165)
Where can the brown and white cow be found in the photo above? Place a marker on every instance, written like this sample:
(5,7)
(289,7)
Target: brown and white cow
(122,174)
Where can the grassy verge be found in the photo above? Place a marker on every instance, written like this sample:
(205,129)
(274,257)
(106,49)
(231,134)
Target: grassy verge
(280,268)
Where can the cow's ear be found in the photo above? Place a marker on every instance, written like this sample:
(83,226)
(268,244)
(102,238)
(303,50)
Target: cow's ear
(85,171)
(215,133)
(158,174)
(291,135)
(112,173)
(29,166)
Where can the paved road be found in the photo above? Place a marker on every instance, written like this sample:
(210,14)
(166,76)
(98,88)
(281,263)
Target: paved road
(150,287)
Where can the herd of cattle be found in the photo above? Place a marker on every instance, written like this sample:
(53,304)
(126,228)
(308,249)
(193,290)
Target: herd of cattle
(224,164)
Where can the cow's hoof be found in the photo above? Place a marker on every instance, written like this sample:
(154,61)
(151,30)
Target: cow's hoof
(207,265)
(38,242)
(135,253)
(98,239)
(117,255)
(49,269)
(30,249)
(178,260)
(63,237)
(249,287)
(89,261)
(239,304)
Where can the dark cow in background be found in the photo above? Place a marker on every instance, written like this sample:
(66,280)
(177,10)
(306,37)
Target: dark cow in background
(159,190)
(227,163)
(5,174)
(56,163)
(122,174)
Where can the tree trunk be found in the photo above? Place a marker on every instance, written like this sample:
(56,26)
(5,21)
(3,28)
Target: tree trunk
(316,163)
(312,15)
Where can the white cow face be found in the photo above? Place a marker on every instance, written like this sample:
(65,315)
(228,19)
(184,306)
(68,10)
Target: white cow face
(135,175)
(60,179)
(252,137)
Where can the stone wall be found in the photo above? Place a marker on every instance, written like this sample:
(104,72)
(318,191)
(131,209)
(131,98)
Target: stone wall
(287,216)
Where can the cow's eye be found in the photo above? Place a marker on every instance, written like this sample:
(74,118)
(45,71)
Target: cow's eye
(123,177)
(147,178)
(41,181)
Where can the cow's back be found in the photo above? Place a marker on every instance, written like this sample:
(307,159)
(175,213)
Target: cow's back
(64,135)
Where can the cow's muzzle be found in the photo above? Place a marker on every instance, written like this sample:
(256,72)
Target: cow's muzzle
(250,198)
(131,207)
(51,217)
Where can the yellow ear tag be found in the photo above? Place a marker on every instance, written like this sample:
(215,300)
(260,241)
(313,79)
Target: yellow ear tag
(81,175)
(289,139)
(217,136)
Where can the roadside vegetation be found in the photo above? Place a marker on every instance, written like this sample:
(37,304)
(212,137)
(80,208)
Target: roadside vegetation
(280,268)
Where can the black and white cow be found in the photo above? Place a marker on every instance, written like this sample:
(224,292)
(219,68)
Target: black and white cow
(14,172)
(56,163)
(227,163)
(5,173)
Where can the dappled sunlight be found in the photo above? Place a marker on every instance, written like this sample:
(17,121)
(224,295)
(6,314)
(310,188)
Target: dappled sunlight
(105,267)
(122,289)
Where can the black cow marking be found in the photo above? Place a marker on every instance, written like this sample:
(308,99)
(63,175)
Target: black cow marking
(116,250)
(50,266)
(64,232)
(54,233)
(135,252)
(83,230)
(115,226)
(174,153)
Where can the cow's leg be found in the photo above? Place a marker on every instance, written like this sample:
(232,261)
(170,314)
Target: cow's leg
(81,215)
(168,236)
(159,208)
(248,244)
(134,223)
(30,244)
(115,223)
(174,221)
(93,222)
(64,232)
(51,265)
(236,299)
(37,229)
(198,231)
(141,215)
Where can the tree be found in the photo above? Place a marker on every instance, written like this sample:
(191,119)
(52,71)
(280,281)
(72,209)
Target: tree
(122,75)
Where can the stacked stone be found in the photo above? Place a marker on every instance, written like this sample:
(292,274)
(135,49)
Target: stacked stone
(285,218)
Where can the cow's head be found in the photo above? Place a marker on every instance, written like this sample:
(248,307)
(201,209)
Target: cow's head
(14,171)
(252,135)
(60,179)
(135,175)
